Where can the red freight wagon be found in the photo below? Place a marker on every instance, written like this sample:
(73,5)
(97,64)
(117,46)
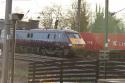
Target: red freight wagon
(95,41)
(116,41)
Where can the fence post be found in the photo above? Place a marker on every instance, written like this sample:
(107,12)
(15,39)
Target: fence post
(61,71)
(97,69)
(34,70)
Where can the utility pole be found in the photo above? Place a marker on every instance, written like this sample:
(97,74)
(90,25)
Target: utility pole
(106,51)
(106,24)
(78,15)
(6,43)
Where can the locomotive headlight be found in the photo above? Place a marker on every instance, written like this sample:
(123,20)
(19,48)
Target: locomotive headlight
(69,44)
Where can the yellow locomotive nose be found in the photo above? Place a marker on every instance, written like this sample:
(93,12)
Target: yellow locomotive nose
(77,43)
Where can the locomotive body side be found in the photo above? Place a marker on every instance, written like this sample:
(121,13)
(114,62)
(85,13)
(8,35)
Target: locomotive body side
(49,42)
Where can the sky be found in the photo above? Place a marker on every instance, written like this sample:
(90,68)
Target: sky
(35,6)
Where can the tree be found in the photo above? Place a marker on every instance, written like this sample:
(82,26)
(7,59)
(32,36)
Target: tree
(115,25)
(65,19)
(84,21)
(46,17)
(84,17)
(49,15)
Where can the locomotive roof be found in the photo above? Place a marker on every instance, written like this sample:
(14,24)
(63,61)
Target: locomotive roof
(48,30)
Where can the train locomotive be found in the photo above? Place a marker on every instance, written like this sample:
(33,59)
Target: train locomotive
(61,43)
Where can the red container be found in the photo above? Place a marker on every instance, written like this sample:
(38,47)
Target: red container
(95,41)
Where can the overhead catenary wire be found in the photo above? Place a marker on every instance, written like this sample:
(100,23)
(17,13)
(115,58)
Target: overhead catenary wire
(117,12)
(29,10)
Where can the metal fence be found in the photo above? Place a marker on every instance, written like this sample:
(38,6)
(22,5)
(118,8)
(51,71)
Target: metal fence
(113,69)
(75,70)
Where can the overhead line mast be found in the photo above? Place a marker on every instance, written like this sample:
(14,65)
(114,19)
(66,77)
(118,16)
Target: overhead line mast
(78,15)
(6,43)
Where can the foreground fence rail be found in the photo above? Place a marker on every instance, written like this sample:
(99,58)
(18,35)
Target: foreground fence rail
(114,69)
(63,71)
(75,70)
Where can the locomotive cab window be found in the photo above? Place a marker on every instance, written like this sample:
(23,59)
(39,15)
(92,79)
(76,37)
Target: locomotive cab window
(76,35)
(73,35)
